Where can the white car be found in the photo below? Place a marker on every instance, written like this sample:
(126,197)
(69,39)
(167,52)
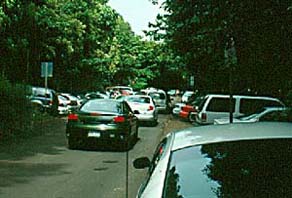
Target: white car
(266,114)
(216,106)
(235,160)
(143,108)
(63,105)
(186,95)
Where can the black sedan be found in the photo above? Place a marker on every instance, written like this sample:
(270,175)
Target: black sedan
(102,123)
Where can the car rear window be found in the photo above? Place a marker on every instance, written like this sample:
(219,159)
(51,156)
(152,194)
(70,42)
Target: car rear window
(157,95)
(145,100)
(102,105)
(257,168)
(248,106)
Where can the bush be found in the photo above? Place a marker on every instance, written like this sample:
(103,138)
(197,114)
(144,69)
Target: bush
(15,111)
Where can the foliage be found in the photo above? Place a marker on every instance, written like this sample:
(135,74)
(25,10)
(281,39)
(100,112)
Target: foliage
(15,111)
(200,31)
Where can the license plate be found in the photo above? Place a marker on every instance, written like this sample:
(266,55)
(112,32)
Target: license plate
(95,134)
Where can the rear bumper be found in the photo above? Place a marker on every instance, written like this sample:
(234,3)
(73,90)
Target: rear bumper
(146,117)
(184,114)
(98,139)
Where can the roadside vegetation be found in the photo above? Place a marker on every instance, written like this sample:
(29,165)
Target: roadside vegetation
(15,111)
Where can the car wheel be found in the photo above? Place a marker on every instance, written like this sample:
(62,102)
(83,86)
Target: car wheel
(192,117)
(154,123)
(72,143)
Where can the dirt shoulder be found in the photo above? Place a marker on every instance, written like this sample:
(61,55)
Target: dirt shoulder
(174,124)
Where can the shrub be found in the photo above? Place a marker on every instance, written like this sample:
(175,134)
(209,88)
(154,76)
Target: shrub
(15,111)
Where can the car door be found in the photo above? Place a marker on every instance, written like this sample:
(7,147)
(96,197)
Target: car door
(219,108)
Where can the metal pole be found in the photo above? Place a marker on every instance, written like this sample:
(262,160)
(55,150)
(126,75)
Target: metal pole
(46,76)
(127,174)
(231,105)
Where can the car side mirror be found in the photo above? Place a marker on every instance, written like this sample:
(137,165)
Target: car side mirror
(141,163)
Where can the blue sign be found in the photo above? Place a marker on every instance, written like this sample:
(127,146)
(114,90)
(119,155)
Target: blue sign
(47,69)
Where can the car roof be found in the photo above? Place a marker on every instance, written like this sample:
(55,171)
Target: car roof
(230,132)
(240,96)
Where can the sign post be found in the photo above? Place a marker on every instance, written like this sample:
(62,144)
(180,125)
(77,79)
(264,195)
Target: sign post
(46,71)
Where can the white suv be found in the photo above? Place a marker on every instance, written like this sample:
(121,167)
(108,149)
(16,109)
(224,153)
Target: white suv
(217,106)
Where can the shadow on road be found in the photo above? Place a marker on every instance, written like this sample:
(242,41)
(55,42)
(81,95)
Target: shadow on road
(16,166)
(49,139)
(12,172)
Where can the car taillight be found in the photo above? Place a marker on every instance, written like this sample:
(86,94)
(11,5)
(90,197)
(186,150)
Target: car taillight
(119,119)
(150,108)
(72,117)
(204,117)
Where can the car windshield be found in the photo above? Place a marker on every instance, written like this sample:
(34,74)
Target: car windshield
(253,168)
(98,105)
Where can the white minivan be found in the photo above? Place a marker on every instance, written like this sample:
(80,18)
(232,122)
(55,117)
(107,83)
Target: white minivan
(217,106)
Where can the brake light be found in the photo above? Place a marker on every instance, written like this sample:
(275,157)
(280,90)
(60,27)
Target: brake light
(150,108)
(204,117)
(72,117)
(119,119)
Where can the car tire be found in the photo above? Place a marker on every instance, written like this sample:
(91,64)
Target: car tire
(192,117)
(72,143)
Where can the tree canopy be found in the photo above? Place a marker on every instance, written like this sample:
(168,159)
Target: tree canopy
(200,31)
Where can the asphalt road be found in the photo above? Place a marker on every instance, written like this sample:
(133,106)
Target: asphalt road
(44,167)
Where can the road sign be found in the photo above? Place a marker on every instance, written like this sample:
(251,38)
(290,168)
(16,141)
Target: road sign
(47,69)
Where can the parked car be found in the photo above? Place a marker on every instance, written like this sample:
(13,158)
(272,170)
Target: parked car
(186,95)
(119,90)
(95,95)
(73,103)
(143,108)
(265,114)
(63,105)
(217,106)
(44,100)
(177,108)
(160,99)
(190,109)
(250,160)
(102,123)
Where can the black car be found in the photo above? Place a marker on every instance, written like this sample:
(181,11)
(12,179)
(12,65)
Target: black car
(102,123)
(44,100)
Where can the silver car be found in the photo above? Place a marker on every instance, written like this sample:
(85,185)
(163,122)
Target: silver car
(236,160)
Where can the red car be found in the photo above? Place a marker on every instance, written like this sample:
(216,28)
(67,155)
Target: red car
(189,111)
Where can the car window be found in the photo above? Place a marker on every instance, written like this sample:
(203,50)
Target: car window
(139,99)
(98,105)
(156,95)
(279,116)
(220,105)
(253,168)
(249,106)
